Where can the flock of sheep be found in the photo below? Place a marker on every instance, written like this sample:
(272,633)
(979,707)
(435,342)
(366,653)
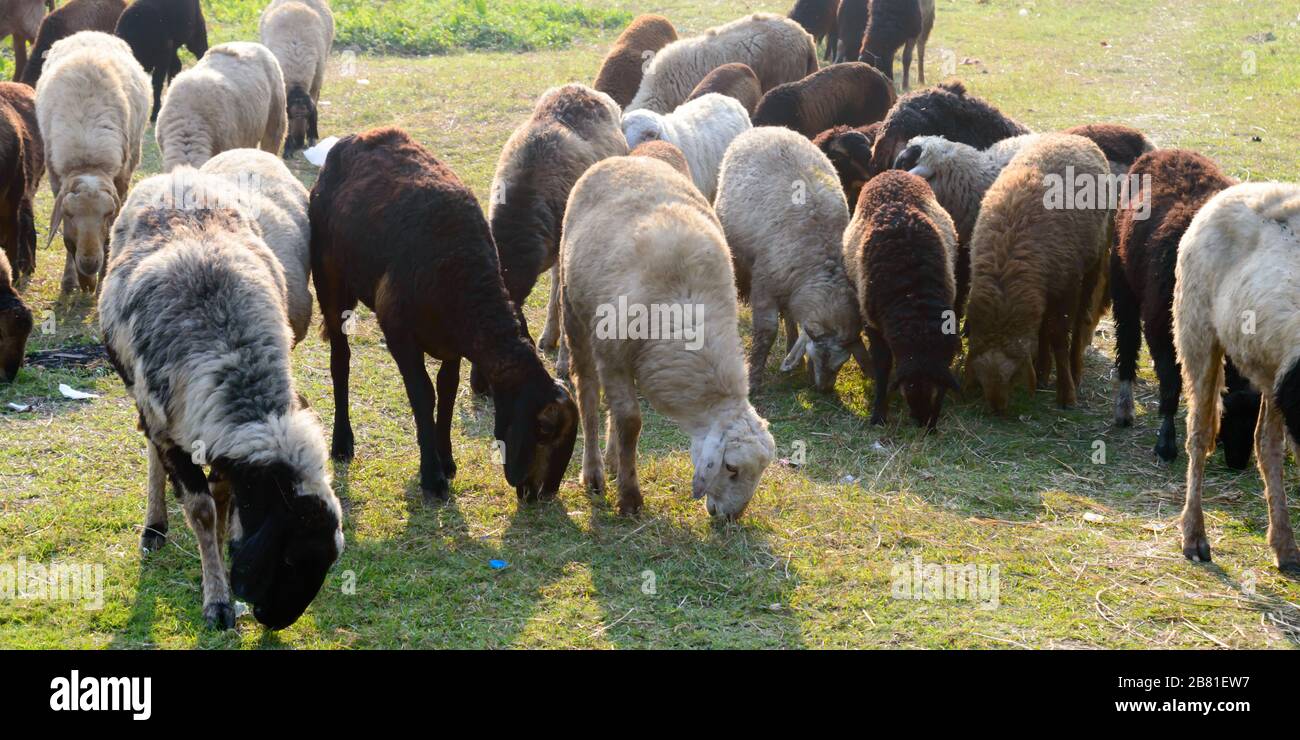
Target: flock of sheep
(695,173)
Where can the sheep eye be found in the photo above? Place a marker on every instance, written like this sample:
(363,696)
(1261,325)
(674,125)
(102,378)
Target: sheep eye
(733,471)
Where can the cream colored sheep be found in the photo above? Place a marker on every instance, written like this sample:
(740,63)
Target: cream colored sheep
(92,105)
(640,240)
(233,98)
(702,129)
(300,33)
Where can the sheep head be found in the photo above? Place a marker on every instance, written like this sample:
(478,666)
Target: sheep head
(538,424)
(86,206)
(830,331)
(640,126)
(301,110)
(15,326)
(997,367)
(1237,426)
(730,459)
(924,385)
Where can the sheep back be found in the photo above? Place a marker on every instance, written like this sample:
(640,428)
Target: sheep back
(1122,145)
(702,129)
(299,33)
(664,152)
(620,72)
(851,94)
(734,80)
(946,110)
(817,17)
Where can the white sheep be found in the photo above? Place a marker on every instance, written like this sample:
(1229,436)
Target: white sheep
(702,129)
(300,33)
(92,106)
(784,214)
(1237,292)
(775,47)
(233,98)
(650,305)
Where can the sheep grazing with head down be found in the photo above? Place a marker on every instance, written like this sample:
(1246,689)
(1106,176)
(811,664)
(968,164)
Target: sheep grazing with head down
(76,16)
(849,150)
(850,94)
(664,152)
(394,228)
(156,30)
(1122,145)
(733,80)
(702,129)
(945,110)
(193,316)
(1038,271)
(22,164)
(92,103)
(234,98)
(1237,292)
(818,18)
(851,25)
(899,252)
(300,33)
(15,324)
(621,71)
(784,215)
(639,234)
(895,24)
(775,48)
(22,20)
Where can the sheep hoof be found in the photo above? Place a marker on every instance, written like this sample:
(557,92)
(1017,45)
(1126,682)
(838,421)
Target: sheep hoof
(449,470)
(594,483)
(154,537)
(440,493)
(219,615)
(1197,548)
(342,450)
(1166,450)
(629,507)
(548,344)
(878,420)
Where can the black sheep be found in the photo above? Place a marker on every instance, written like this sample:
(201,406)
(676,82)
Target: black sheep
(155,31)
(945,110)
(891,25)
(394,228)
(851,26)
(818,17)
(849,150)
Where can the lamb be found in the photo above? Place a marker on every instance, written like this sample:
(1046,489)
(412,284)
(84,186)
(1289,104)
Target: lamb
(300,33)
(21,19)
(946,110)
(22,164)
(818,18)
(784,216)
(894,24)
(1148,232)
(92,105)
(776,48)
(664,152)
(192,313)
(1235,293)
(396,229)
(735,80)
(639,234)
(622,70)
(849,150)
(702,129)
(1122,145)
(78,15)
(234,98)
(155,31)
(571,128)
(851,21)
(1038,272)
(900,246)
(15,324)
(851,94)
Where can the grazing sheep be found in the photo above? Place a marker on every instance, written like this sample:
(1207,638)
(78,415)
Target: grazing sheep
(1237,292)
(817,17)
(664,152)
(1121,145)
(394,228)
(1038,272)
(156,30)
(1147,233)
(571,128)
(849,150)
(639,234)
(901,247)
(784,215)
(193,320)
(22,20)
(234,98)
(78,15)
(15,324)
(775,48)
(894,24)
(849,94)
(22,164)
(92,103)
(946,110)
(621,71)
(702,129)
(300,33)
(734,80)
(851,22)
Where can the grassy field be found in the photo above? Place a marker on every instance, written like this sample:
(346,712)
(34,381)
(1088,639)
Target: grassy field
(1087,551)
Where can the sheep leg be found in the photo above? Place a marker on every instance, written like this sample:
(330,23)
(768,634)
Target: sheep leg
(221,497)
(155,515)
(1042,375)
(342,448)
(907,63)
(1171,387)
(20,55)
(1128,340)
(1201,374)
(27,233)
(883,360)
(625,415)
(70,281)
(551,332)
(448,383)
(587,386)
(791,332)
(201,513)
(419,390)
(1066,393)
(1270,453)
(767,319)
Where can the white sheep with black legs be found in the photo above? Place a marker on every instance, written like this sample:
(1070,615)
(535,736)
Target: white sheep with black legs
(1237,292)
(638,235)
(702,129)
(300,33)
(193,316)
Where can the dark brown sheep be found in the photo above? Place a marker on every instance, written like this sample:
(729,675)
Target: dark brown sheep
(897,24)
(156,30)
(849,94)
(1121,145)
(734,80)
(818,17)
(849,149)
(945,110)
(394,228)
(666,153)
(620,73)
(15,324)
(76,16)
(851,25)
(22,164)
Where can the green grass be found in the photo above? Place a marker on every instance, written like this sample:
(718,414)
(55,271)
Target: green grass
(1088,554)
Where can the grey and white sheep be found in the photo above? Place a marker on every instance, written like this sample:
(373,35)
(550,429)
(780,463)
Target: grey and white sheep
(702,129)
(300,33)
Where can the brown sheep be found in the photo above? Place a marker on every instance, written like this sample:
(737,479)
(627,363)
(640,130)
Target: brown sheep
(850,94)
(76,16)
(894,24)
(849,149)
(22,20)
(1121,145)
(15,325)
(851,26)
(22,164)
(664,152)
(620,73)
(818,17)
(734,80)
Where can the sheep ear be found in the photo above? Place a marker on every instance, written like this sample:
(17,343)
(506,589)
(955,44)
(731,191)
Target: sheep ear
(922,171)
(56,219)
(796,352)
(706,454)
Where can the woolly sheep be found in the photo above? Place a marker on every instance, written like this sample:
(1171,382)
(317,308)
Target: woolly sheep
(776,48)
(851,22)
(639,234)
(734,80)
(15,324)
(893,24)
(818,18)
(664,152)
(702,129)
(784,215)
(1240,258)
(623,67)
(1122,145)
(234,98)
(849,150)
(92,104)
(300,33)
(22,20)
(78,15)
(22,164)
(851,94)
(156,30)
